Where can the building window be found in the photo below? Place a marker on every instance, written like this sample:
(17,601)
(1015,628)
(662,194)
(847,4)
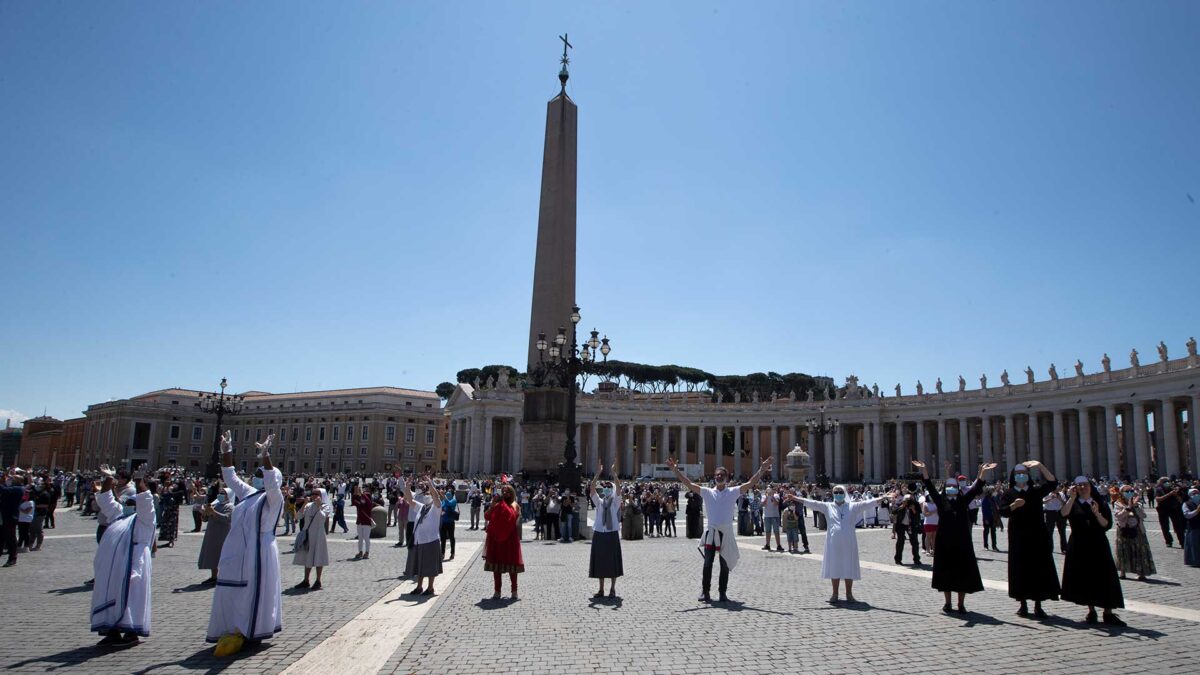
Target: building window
(295,433)
(308,433)
(408,452)
(362,452)
(389,452)
(362,466)
(307,452)
(410,435)
(197,433)
(337,433)
(258,434)
(389,434)
(429,435)
(364,432)
(172,449)
(174,432)
(195,450)
(349,432)
(333,451)
(282,434)
(233,434)
(321,433)
(428,453)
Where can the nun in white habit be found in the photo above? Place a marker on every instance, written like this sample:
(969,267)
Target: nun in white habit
(248,593)
(841,541)
(123,566)
(312,548)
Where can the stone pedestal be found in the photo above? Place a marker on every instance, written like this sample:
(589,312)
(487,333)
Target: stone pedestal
(543,430)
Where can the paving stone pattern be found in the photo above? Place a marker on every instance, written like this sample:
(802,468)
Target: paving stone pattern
(780,621)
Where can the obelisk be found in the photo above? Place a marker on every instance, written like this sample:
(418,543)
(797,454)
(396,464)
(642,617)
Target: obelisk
(544,418)
(554,263)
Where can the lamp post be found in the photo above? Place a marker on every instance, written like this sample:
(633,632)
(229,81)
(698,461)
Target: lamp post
(564,364)
(819,427)
(219,404)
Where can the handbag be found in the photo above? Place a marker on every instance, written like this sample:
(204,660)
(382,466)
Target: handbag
(302,536)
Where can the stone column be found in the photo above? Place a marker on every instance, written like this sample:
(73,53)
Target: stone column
(755,458)
(736,471)
(985,438)
(942,446)
(647,458)
(1194,457)
(664,444)
(966,449)
(1168,460)
(476,443)
(923,449)
(1086,466)
(840,443)
(777,466)
(611,458)
(519,435)
(628,463)
(1074,461)
(1060,446)
(868,453)
(701,433)
(1141,444)
(1113,469)
(877,444)
(1010,441)
(1035,437)
(489,445)
(827,454)
(902,452)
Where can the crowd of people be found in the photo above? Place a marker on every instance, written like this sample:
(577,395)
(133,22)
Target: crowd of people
(137,512)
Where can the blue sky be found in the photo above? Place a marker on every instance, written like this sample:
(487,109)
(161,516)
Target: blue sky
(320,195)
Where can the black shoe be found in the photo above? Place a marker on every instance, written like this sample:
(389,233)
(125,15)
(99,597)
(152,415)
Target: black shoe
(598,595)
(1024,611)
(316,586)
(917,562)
(302,584)
(1091,616)
(428,591)
(806,550)
(898,561)
(1040,613)
(110,640)
(704,597)
(129,640)
(767,547)
(723,598)
(779,549)
(1112,619)
(946,608)
(961,610)
(209,582)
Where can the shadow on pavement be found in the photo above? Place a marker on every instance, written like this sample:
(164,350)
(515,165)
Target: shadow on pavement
(733,606)
(192,588)
(613,603)
(81,588)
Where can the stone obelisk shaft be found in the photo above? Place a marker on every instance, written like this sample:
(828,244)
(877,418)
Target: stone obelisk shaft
(554,265)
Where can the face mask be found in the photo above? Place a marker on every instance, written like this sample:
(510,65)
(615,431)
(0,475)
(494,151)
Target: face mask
(839,497)
(606,492)
(256,483)
(1128,495)
(426,499)
(1021,478)
(951,491)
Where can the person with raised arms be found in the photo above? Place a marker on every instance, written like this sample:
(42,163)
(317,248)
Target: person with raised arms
(123,565)
(247,604)
(719,540)
(605,561)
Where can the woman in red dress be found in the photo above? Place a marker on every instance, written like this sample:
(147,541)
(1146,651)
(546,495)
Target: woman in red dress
(502,547)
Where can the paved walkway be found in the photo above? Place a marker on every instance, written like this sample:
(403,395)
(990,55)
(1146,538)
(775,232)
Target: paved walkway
(780,620)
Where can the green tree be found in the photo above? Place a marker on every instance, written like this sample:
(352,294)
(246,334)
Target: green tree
(444,390)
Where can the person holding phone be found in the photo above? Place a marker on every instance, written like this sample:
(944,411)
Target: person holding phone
(1089,573)
(123,565)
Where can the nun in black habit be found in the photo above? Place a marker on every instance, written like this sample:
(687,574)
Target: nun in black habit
(695,524)
(1089,573)
(954,566)
(1032,574)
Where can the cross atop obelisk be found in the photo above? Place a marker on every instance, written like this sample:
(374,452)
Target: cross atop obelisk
(563,74)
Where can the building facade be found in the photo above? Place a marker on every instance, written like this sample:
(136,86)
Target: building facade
(10,444)
(369,430)
(1136,421)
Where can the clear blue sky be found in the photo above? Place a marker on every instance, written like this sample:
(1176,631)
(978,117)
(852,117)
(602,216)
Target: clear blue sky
(320,195)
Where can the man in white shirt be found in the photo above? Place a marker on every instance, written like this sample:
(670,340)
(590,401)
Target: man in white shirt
(720,504)
(1052,504)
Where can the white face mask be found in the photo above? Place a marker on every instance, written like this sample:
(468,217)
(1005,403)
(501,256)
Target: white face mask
(426,499)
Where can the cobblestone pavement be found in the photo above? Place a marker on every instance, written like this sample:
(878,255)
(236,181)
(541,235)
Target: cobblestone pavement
(780,620)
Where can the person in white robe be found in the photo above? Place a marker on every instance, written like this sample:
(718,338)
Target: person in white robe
(719,542)
(123,565)
(312,547)
(840,561)
(247,601)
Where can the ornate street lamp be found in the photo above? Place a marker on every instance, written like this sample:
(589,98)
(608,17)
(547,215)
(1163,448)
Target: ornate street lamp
(219,404)
(564,364)
(819,427)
